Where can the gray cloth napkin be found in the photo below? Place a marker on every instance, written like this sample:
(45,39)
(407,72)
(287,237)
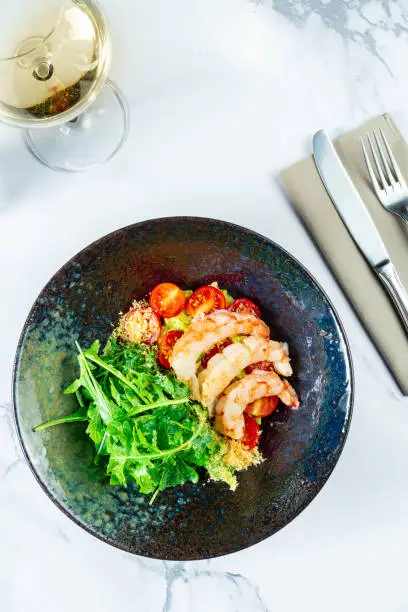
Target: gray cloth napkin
(306,192)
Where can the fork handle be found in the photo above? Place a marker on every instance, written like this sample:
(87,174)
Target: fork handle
(395,288)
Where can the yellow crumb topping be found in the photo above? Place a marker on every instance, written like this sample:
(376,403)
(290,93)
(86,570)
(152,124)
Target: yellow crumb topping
(133,327)
(239,457)
(234,458)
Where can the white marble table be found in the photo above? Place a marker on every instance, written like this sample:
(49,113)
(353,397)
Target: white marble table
(223,94)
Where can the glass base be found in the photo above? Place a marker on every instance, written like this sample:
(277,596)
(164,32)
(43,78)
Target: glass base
(88,141)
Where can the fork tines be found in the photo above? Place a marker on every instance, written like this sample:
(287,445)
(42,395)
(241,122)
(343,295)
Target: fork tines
(388,176)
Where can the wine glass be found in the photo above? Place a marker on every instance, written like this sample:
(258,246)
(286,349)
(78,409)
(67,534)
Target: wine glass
(55,57)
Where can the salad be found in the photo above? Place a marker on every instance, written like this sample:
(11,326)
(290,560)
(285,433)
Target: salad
(180,389)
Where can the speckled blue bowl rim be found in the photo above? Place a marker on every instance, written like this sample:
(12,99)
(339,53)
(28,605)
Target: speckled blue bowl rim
(164,220)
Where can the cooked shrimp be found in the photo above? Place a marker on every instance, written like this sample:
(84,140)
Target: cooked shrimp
(289,396)
(225,366)
(282,366)
(229,418)
(204,333)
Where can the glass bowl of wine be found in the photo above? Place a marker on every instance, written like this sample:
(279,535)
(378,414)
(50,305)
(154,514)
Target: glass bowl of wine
(55,58)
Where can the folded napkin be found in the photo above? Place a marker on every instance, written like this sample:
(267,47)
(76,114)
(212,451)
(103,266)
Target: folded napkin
(365,291)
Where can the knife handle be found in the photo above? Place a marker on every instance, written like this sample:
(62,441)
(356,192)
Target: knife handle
(396,290)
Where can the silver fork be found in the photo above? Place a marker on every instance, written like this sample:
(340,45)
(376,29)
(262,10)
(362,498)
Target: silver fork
(389,185)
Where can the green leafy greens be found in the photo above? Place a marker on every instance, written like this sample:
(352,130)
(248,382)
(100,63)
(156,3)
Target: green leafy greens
(142,421)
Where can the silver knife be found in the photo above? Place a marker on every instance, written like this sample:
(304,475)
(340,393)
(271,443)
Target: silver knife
(357,220)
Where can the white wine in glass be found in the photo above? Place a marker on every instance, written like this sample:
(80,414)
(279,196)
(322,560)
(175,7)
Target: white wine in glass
(55,57)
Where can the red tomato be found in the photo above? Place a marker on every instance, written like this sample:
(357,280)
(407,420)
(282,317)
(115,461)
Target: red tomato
(267,366)
(245,306)
(262,407)
(168,300)
(206,299)
(252,433)
(166,344)
(216,349)
(142,325)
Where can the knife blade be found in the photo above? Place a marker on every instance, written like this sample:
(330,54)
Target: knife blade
(347,200)
(357,220)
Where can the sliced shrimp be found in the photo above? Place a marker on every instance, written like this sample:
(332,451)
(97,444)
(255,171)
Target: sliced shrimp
(204,333)
(289,396)
(229,418)
(224,367)
(282,366)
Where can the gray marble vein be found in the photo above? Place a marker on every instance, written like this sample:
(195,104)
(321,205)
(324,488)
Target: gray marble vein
(240,594)
(173,572)
(6,414)
(355,21)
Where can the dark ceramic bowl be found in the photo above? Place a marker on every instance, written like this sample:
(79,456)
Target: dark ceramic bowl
(82,302)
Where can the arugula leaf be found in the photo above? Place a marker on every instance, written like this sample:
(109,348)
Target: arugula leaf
(176,472)
(141,418)
(89,381)
(78,416)
(96,427)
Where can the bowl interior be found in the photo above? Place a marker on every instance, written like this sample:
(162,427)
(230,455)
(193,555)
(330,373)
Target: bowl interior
(84,299)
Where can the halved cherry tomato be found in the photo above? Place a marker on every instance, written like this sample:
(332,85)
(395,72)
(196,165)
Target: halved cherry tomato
(206,299)
(252,433)
(167,299)
(245,306)
(214,351)
(262,407)
(142,325)
(166,344)
(267,366)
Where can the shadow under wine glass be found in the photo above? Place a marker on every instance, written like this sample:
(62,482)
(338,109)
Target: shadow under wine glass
(55,57)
